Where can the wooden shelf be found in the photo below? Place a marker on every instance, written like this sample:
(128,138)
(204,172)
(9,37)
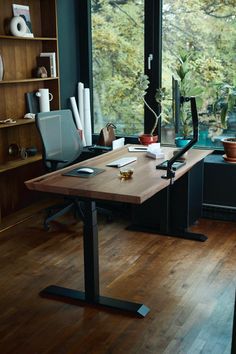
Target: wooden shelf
(19,56)
(27,80)
(18,122)
(10,165)
(3,36)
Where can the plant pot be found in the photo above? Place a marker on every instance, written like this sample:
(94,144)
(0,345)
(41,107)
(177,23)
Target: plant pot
(181,142)
(230,149)
(146,139)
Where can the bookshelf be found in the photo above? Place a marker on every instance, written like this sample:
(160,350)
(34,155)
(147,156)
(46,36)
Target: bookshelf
(19,56)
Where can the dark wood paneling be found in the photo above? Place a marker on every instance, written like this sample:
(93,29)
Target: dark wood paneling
(14,194)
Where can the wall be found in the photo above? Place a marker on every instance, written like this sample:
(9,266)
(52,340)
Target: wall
(68,34)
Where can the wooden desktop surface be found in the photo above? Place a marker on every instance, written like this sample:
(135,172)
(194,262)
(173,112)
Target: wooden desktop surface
(107,185)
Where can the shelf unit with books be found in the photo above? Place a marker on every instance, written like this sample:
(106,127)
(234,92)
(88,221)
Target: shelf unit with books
(19,56)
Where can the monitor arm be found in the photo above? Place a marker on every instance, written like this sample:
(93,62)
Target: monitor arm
(169,171)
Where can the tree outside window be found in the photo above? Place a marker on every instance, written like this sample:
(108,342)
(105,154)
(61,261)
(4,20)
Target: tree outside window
(203,31)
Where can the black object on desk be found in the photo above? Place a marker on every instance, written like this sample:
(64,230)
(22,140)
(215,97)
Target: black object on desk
(76,172)
(99,148)
(175,166)
(170,163)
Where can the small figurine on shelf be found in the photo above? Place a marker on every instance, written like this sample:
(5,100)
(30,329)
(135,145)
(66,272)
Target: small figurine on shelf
(41,71)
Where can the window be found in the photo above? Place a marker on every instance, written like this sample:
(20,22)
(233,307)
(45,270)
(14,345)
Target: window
(199,50)
(117,57)
(192,38)
(122,37)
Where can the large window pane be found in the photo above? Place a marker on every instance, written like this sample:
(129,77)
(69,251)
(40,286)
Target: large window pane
(117,57)
(199,50)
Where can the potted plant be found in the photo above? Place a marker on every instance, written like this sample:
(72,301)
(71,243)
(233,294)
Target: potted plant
(141,86)
(224,114)
(187,88)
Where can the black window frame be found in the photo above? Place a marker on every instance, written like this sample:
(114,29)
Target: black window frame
(152,45)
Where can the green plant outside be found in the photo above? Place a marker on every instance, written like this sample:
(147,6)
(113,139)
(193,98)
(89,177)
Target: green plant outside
(203,30)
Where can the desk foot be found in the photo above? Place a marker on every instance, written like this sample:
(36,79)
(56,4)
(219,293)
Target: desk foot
(78,297)
(181,234)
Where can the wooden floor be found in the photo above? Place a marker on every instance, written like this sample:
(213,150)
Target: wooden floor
(189,287)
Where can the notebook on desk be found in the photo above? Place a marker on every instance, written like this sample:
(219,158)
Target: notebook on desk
(122,161)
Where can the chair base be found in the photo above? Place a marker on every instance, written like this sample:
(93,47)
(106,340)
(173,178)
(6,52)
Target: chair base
(78,212)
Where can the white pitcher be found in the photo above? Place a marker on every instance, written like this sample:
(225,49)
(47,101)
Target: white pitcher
(45,97)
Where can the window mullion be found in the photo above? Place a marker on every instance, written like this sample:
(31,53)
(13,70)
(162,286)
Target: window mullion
(153,50)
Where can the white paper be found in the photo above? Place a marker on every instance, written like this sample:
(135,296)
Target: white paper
(87,117)
(77,117)
(155,155)
(81,101)
(154,151)
(118,143)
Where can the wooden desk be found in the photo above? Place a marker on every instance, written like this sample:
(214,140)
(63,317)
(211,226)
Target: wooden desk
(147,181)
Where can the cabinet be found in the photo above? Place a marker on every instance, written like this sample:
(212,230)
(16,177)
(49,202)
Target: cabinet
(19,60)
(219,188)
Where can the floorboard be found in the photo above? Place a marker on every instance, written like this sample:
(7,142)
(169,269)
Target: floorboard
(189,287)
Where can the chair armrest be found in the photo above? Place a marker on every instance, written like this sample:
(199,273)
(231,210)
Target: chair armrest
(56,160)
(54,163)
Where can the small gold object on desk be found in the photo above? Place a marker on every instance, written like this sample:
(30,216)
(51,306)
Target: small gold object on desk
(126,173)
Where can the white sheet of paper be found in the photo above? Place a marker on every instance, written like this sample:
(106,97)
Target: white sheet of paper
(118,143)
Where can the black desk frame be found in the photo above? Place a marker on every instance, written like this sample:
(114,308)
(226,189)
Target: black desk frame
(91,295)
(158,217)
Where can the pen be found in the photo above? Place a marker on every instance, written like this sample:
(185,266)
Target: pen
(137,148)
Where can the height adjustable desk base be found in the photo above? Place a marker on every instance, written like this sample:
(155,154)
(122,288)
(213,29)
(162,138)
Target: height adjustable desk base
(173,233)
(158,216)
(78,298)
(91,295)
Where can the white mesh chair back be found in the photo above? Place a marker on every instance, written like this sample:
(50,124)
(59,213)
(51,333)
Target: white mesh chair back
(60,137)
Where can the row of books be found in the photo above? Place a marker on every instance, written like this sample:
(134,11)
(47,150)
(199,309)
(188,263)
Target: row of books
(48,60)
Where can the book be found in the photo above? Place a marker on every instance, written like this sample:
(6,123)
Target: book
(46,62)
(23,11)
(32,102)
(52,56)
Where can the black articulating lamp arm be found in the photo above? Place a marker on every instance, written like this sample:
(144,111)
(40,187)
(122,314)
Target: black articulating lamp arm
(169,171)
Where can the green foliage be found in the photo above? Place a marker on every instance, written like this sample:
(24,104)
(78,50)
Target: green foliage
(187,84)
(116,62)
(199,36)
(224,104)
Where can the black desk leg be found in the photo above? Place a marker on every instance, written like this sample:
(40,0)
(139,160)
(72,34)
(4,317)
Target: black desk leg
(166,228)
(91,274)
(168,212)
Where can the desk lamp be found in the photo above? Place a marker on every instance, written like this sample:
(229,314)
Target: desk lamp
(174,163)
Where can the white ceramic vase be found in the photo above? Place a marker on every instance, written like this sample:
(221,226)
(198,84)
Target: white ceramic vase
(1,68)
(44,99)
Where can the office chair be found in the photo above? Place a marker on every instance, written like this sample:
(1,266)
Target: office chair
(62,147)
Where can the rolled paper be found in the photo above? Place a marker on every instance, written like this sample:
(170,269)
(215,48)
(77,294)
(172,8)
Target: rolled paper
(77,117)
(81,102)
(87,117)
